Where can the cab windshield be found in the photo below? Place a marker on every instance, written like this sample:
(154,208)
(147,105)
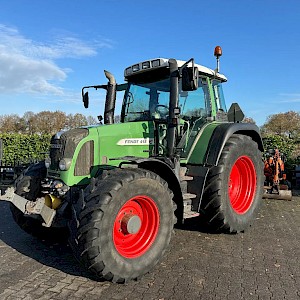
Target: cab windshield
(146,101)
(150,101)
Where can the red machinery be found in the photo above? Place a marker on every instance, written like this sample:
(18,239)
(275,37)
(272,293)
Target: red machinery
(276,184)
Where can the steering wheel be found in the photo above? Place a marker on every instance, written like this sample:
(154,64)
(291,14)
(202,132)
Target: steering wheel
(162,110)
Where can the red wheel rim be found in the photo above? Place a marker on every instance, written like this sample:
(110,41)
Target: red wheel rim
(136,226)
(242,184)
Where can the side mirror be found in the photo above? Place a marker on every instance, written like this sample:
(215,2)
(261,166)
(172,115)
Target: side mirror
(235,113)
(85,99)
(100,118)
(190,78)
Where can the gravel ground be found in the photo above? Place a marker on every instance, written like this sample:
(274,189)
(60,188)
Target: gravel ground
(262,263)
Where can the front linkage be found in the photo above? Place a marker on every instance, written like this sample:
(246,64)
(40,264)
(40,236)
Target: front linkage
(27,207)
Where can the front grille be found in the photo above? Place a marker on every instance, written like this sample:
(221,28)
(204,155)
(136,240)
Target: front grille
(56,152)
(64,146)
(85,159)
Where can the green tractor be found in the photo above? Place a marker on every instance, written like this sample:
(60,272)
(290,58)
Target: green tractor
(118,189)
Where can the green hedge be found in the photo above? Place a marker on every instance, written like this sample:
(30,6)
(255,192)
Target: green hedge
(284,144)
(24,148)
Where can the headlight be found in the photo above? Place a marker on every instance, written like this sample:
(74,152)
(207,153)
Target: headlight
(135,68)
(128,71)
(47,162)
(155,63)
(146,65)
(65,164)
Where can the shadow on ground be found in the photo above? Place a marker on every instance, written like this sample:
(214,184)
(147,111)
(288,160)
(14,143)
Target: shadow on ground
(52,254)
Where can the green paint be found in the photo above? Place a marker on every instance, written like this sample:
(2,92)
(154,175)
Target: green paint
(121,139)
(68,176)
(198,149)
(212,98)
(110,142)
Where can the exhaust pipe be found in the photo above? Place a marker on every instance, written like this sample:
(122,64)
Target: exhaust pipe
(110,101)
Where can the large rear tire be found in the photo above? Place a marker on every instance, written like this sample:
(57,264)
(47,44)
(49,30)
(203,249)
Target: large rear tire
(234,188)
(28,185)
(123,224)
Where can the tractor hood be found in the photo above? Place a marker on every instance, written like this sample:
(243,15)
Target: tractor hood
(78,154)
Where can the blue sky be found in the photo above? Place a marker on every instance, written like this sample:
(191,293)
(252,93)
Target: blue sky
(50,49)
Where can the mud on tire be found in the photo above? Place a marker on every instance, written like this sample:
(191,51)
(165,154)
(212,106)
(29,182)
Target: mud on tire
(122,224)
(234,188)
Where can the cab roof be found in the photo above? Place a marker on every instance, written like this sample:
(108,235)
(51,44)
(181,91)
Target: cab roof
(157,63)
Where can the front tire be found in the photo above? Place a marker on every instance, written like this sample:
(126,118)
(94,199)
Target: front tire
(234,188)
(124,225)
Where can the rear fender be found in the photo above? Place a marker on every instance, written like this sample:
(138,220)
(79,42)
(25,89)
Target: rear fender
(214,140)
(222,133)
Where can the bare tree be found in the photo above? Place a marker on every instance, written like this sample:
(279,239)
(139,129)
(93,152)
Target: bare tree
(77,120)
(11,124)
(284,124)
(248,120)
(48,122)
(28,119)
(44,122)
(91,120)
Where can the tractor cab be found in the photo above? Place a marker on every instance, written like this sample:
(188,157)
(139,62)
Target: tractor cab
(148,98)
(175,97)
(149,85)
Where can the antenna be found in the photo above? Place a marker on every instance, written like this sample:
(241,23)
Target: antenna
(218,54)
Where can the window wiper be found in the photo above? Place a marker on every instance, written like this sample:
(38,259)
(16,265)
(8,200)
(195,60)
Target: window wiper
(131,100)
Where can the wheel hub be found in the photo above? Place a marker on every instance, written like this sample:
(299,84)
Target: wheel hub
(131,224)
(242,184)
(136,226)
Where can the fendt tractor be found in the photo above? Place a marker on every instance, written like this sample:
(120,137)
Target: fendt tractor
(118,189)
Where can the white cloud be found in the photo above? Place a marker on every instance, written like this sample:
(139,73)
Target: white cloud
(290,94)
(74,97)
(19,73)
(289,98)
(295,100)
(29,66)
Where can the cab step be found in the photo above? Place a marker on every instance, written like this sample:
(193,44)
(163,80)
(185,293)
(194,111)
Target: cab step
(187,196)
(187,206)
(183,176)
(186,178)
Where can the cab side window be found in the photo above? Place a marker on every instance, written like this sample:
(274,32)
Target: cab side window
(219,96)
